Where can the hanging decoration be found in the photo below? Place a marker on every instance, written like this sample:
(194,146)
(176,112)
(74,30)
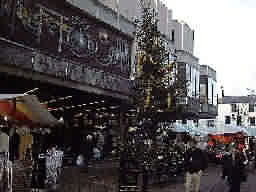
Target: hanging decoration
(53,166)
(169,100)
(75,37)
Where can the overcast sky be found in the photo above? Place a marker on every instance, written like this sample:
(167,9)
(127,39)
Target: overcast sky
(225,38)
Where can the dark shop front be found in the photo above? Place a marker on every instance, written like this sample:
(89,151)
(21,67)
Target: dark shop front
(77,68)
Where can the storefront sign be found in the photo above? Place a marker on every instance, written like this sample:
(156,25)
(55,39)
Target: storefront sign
(28,59)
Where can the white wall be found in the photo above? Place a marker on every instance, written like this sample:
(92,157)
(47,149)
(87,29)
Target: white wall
(175,26)
(131,10)
(188,42)
(163,18)
(108,3)
(183,35)
(225,110)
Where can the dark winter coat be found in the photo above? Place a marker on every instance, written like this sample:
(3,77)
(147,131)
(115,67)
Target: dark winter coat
(234,169)
(195,160)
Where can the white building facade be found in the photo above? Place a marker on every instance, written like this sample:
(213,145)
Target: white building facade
(237,111)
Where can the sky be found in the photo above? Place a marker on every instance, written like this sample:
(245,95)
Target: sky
(225,39)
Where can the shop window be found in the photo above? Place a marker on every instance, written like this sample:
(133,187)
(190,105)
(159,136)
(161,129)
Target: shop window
(210,123)
(227,120)
(252,121)
(239,120)
(251,107)
(184,121)
(233,108)
(196,122)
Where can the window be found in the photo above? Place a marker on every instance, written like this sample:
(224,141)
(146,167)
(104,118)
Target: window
(227,120)
(172,35)
(196,122)
(212,95)
(233,108)
(251,107)
(239,120)
(203,93)
(209,87)
(252,121)
(210,123)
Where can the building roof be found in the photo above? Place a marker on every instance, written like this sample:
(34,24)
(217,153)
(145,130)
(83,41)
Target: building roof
(238,99)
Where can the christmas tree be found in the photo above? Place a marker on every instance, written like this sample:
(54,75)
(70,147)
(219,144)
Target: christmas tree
(157,85)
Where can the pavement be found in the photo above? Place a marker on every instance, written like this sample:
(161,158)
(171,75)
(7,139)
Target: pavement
(177,184)
(210,182)
(106,179)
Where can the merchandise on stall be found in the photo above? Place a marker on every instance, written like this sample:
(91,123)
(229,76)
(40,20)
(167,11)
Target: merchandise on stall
(39,173)
(5,172)
(25,146)
(4,142)
(53,165)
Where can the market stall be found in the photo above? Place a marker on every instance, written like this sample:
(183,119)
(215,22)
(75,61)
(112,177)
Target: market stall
(21,118)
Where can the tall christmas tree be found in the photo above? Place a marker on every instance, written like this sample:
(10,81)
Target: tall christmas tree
(157,86)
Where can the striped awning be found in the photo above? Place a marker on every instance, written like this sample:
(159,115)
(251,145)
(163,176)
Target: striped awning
(26,109)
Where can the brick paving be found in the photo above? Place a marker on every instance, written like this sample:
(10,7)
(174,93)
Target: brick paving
(209,182)
(177,184)
(108,181)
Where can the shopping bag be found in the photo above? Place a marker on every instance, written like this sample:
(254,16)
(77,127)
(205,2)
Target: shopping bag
(221,185)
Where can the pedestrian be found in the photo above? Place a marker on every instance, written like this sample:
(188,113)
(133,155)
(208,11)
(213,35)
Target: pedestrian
(195,163)
(234,169)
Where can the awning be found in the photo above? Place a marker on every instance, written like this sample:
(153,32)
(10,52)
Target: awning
(10,96)
(251,131)
(26,109)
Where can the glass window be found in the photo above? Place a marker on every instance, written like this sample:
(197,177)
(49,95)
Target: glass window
(190,82)
(203,94)
(198,83)
(252,121)
(215,96)
(210,123)
(251,107)
(188,72)
(233,108)
(210,100)
(193,81)
(239,120)
(173,35)
(227,120)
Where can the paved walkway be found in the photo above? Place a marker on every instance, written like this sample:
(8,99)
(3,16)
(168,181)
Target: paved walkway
(177,184)
(107,181)
(209,183)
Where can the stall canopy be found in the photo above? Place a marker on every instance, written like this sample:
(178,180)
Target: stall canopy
(251,131)
(25,108)
(224,129)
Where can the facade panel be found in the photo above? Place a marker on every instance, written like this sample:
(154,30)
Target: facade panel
(81,50)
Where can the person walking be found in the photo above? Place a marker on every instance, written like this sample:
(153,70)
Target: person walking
(234,169)
(195,163)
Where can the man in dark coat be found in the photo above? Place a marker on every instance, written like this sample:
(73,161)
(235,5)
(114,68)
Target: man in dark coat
(195,164)
(233,169)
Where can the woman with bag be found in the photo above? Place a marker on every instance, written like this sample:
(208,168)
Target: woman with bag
(234,169)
